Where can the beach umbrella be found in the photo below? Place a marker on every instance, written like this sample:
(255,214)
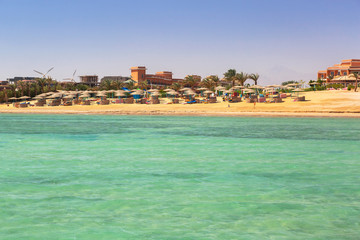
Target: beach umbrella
(220,88)
(69,96)
(153,90)
(184,89)
(130,81)
(38,97)
(256,87)
(208,92)
(13,98)
(168,90)
(119,93)
(84,95)
(202,89)
(249,91)
(189,92)
(297,90)
(293,85)
(24,97)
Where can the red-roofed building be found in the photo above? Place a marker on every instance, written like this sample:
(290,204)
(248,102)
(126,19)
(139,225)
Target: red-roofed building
(345,68)
(165,78)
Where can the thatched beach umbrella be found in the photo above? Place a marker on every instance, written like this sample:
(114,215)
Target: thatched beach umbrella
(249,91)
(24,97)
(153,90)
(38,97)
(84,95)
(13,98)
(184,89)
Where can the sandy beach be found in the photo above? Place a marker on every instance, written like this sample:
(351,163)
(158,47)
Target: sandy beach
(318,104)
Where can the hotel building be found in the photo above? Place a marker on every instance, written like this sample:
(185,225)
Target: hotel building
(91,80)
(340,72)
(165,78)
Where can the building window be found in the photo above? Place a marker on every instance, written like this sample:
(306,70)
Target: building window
(345,73)
(322,76)
(338,73)
(332,73)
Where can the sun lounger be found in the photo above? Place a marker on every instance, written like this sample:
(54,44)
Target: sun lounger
(261,99)
(300,98)
(278,100)
(129,100)
(68,103)
(155,101)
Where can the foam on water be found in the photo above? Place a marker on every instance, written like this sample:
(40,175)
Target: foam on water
(156,177)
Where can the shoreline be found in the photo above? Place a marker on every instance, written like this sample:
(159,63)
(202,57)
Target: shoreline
(286,114)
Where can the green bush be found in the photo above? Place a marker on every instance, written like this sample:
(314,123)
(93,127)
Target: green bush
(350,87)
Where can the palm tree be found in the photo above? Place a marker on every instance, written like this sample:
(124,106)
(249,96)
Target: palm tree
(22,86)
(356,75)
(190,81)
(208,83)
(143,85)
(106,84)
(118,85)
(41,82)
(49,82)
(34,85)
(241,78)
(254,77)
(176,86)
(28,88)
(130,84)
(230,76)
(13,89)
(215,79)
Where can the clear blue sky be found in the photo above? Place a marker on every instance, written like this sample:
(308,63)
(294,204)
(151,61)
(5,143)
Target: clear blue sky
(280,40)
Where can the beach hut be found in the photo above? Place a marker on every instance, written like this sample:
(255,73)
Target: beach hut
(298,98)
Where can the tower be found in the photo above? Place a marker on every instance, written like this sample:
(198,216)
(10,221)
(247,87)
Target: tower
(138,74)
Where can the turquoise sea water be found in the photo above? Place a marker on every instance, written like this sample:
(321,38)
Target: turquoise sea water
(156,177)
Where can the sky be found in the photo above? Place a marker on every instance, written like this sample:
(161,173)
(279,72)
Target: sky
(281,40)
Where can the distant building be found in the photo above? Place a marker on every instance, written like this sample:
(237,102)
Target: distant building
(165,78)
(16,79)
(114,78)
(339,73)
(90,80)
